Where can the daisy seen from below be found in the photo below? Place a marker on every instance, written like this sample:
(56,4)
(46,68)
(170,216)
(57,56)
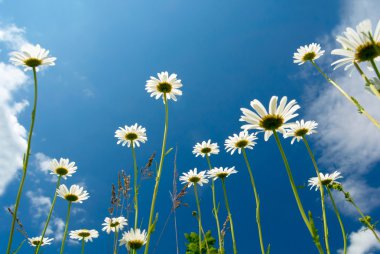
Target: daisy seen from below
(299,129)
(326,180)
(75,194)
(167,86)
(205,148)
(36,241)
(358,45)
(221,172)
(133,239)
(275,119)
(31,57)
(238,142)
(306,53)
(84,234)
(62,168)
(131,135)
(193,177)
(114,224)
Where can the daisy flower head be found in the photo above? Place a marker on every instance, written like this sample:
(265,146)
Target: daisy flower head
(75,194)
(84,234)
(205,148)
(193,177)
(35,241)
(275,119)
(165,85)
(238,142)
(326,179)
(220,173)
(299,129)
(133,239)
(114,224)
(306,53)
(358,45)
(131,135)
(63,168)
(32,56)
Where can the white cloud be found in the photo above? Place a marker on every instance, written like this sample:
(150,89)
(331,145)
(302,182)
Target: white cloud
(40,204)
(362,242)
(56,228)
(43,162)
(12,36)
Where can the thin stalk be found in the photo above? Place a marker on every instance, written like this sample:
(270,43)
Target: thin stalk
(295,192)
(50,213)
(340,221)
(230,216)
(215,209)
(158,177)
(82,246)
(348,97)
(25,163)
(199,218)
(321,190)
(115,247)
(257,199)
(367,81)
(375,68)
(66,228)
(135,187)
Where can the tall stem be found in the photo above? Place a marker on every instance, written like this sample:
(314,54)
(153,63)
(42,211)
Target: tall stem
(50,213)
(348,97)
(367,81)
(321,190)
(82,246)
(257,199)
(158,177)
(66,228)
(340,221)
(295,192)
(229,216)
(215,209)
(199,219)
(135,187)
(115,247)
(375,68)
(25,163)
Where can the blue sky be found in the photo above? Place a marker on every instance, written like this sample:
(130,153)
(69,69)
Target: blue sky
(227,54)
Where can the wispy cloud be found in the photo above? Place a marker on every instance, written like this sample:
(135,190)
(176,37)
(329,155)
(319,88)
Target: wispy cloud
(362,242)
(40,204)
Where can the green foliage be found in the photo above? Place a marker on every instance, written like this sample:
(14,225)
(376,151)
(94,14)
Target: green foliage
(192,245)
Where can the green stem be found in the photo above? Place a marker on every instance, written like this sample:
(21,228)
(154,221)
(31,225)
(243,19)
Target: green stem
(375,68)
(257,199)
(348,97)
(367,81)
(321,190)
(340,221)
(50,213)
(25,163)
(230,216)
(199,218)
(135,187)
(215,209)
(295,192)
(82,246)
(66,228)
(115,247)
(150,226)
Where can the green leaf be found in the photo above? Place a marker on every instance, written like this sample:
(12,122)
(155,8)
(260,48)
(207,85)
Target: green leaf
(168,151)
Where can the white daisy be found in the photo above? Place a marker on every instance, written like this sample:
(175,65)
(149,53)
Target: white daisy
(63,168)
(76,194)
(327,179)
(238,142)
(357,45)
(31,56)
(165,84)
(221,172)
(114,224)
(299,129)
(131,135)
(205,148)
(308,53)
(376,84)
(35,241)
(84,234)
(192,177)
(133,239)
(275,120)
